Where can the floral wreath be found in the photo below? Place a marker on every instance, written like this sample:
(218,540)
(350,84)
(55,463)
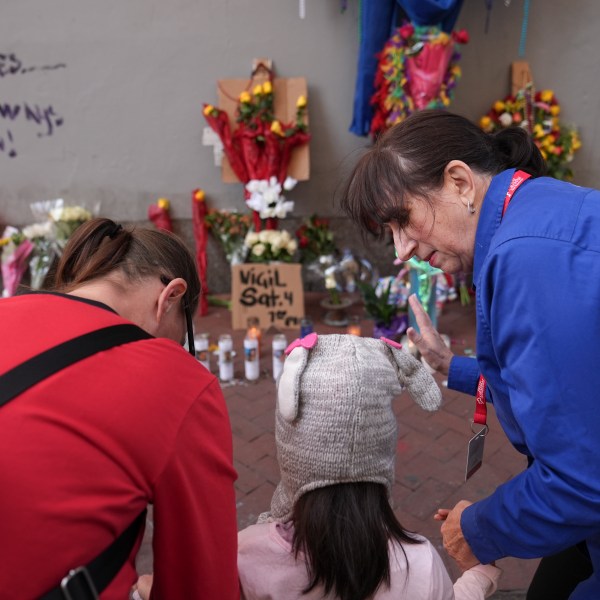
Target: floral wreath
(418,68)
(538,113)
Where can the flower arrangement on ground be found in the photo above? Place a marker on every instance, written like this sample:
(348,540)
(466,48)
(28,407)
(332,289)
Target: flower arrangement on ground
(418,68)
(66,219)
(270,245)
(386,303)
(260,148)
(42,236)
(16,249)
(538,112)
(230,228)
(315,239)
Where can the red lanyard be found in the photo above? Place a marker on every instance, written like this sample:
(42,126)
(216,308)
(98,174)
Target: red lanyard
(480,415)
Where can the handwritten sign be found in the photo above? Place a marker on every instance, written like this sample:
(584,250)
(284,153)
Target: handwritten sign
(272,293)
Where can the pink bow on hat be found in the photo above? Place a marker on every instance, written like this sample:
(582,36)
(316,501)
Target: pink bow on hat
(307,342)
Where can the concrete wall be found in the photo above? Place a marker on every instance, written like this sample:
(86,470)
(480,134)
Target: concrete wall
(110,93)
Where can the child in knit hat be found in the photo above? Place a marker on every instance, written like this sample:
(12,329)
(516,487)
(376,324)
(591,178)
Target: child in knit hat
(331,532)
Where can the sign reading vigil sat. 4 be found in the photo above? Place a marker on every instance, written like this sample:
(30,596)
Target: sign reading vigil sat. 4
(271,292)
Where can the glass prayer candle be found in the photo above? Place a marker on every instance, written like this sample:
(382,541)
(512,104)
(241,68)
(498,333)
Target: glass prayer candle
(251,360)
(201,342)
(225,357)
(279,346)
(306,326)
(354,326)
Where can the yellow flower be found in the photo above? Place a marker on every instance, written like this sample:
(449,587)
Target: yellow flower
(267,87)
(485,123)
(199,196)
(456,71)
(538,130)
(208,109)
(499,106)
(544,153)
(576,144)
(4,241)
(301,102)
(555,110)
(245,98)
(547,95)
(276,128)
(258,90)
(163,203)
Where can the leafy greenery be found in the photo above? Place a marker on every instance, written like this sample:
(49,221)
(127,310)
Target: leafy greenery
(379,306)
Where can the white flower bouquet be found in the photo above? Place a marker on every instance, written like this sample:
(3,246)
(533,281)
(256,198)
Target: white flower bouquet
(270,245)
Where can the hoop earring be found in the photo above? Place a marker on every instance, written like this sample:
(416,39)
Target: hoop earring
(470,207)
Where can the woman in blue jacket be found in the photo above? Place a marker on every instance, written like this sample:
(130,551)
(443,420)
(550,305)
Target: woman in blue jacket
(467,201)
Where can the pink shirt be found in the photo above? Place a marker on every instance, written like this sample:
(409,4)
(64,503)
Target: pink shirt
(268,570)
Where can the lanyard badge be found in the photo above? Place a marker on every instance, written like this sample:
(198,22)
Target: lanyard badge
(475,448)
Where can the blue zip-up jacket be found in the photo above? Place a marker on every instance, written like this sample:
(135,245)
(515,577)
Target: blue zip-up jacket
(537,278)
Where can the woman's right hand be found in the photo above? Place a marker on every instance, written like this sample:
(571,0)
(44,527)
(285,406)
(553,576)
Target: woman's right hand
(429,342)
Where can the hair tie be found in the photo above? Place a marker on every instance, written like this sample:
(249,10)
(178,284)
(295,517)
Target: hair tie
(115,231)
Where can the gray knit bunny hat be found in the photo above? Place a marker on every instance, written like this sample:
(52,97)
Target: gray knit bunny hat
(334,418)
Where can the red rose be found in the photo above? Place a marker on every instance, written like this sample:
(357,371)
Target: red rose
(461,37)
(406,31)
(303,242)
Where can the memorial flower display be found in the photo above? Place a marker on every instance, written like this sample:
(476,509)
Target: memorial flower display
(270,245)
(260,148)
(230,228)
(417,69)
(539,113)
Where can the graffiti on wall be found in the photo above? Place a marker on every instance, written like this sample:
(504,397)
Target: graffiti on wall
(41,120)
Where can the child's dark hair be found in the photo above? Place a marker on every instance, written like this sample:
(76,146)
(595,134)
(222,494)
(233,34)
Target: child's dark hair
(100,246)
(410,159)
(344,531)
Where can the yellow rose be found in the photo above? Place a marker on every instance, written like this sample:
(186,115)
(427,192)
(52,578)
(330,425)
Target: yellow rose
(199,196)
(544,153)
(547,95)
(576,144)
(245,98)
(555,110)
(208,110)
(485,123)
(267,87)
(538,130)
(301,102)
(276,128)
(499,106)
(258,90)
(163,203)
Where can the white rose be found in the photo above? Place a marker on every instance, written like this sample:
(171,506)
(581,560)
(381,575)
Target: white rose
(505,119)
(289,183)
(258,250)
(264,236)
(251,239)
(292,246)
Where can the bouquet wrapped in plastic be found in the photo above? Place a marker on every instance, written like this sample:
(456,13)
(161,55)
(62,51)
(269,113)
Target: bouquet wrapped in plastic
(16,249)
(42,236)
(159,214)
(259,150)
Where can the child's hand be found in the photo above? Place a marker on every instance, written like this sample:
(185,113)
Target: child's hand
(141,588)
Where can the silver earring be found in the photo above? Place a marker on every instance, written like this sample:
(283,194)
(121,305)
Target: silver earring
(470,207)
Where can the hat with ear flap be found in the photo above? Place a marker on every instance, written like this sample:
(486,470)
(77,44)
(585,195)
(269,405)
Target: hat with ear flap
(334,418)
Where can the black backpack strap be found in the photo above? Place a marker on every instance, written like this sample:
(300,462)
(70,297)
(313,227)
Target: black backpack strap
(88,581)
(37,368)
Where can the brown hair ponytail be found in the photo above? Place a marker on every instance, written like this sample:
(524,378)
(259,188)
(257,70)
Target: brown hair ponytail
(101,246)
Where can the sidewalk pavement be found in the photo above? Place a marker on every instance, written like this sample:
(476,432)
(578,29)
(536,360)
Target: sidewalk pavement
(430,464)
